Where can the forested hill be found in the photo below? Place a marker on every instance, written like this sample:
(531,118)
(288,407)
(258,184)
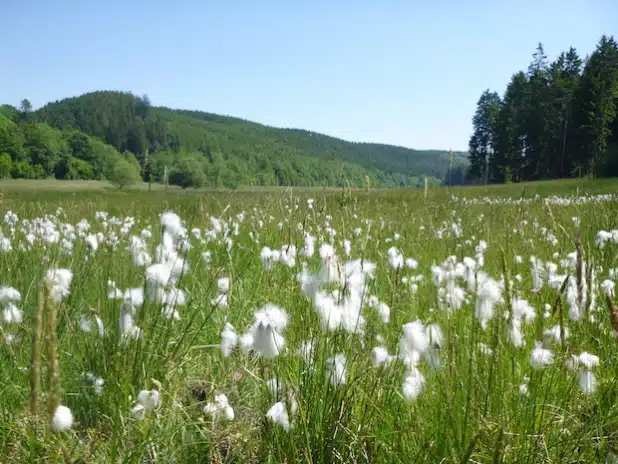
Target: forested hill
(198,148)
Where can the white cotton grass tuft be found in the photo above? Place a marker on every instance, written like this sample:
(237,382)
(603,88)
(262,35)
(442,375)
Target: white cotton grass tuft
(171,223)
(92,242)
(309,248)
(246,342)
(413,384)
(347,247)
(330,263)
(267,341)
(587,381)
(85,324)
(157,275)
(264,336)
(9,294)
(59,281)
(275,386)
(489,293)
(134,296)
(147,400)
(435,335)
(608,288)
(278,414)
(522,310)
(138,412)
(229,339)
(588,360)
(128,329)
(523,387)
(220,301)
(583,364)
(552,335)
(337,369)
(584,359)
(538,273)
(395,258)
(541,357)
(11,314)
(515,335)
(380,357)
(287,255)
(413,343)
(62,419)
(171,299)
(436,341)
(307,351)
(269,257)
(223,284)
(384,312)
(97,383)
(220,408)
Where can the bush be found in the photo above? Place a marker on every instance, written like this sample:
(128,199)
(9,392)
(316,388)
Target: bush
(6,163)
(124,173)
(21,170)
(188,173)
(70,168)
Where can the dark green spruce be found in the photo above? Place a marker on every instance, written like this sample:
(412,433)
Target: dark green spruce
(557,120)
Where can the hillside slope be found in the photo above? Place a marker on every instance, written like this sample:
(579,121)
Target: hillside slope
(30,149)
(231,151)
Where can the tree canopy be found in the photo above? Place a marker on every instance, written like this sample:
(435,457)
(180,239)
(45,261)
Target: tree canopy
(557,119)
(235,152)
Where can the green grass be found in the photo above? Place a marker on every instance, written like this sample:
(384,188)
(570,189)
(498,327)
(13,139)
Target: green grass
(470,408)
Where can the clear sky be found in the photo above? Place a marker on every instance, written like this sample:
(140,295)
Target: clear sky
(400,72)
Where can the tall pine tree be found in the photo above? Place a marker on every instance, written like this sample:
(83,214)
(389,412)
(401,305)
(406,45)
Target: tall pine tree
(536,162)
(509,160)
(483,141)
(564,76)
(596,106)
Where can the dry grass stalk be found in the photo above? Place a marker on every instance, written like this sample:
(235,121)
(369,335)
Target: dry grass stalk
(53,367)
(35,372)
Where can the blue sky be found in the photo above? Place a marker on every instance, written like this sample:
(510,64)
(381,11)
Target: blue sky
(400,72)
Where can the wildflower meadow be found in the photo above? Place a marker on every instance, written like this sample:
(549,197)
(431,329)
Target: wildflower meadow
(389,326)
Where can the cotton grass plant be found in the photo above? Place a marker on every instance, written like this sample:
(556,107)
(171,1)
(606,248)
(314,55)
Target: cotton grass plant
(309,327)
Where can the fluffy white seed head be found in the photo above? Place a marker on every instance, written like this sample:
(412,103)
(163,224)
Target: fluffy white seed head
(413,384)
(9,294)
(229,339)
(278,414)
(149,399)
(337,369)
(62,419)
(541,357)
(587,382)
(59,281)
(414,337)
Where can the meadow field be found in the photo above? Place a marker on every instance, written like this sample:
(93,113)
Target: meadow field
(472,324)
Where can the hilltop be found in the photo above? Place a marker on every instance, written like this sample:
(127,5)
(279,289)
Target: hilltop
(199,148)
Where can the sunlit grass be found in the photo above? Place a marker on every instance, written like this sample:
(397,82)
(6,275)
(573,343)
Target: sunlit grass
(472,407)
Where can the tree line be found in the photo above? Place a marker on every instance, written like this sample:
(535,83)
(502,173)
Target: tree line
(30,149)
(555,120)
(194,148)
